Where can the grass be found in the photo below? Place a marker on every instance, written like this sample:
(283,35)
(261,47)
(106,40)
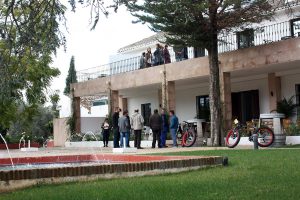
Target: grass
(264,174)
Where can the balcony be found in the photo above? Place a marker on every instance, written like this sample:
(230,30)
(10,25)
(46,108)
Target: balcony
(229,42)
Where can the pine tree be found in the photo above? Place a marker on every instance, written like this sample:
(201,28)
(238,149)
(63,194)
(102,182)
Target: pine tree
(71,78)
(198,23)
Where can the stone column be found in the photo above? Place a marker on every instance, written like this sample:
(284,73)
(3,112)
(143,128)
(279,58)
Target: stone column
(225,89)
(77,114)
(113,100)
(123,103)
(159,93)
(199,140)
(274,90)
(171,98)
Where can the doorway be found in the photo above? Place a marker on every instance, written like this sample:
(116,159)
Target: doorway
(245,105)
(146,112)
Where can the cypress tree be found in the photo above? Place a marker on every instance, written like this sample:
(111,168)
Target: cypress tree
(71,78)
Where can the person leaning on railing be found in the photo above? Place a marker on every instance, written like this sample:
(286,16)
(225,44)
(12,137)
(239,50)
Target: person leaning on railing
(166,53)
(143,60)
(148,58)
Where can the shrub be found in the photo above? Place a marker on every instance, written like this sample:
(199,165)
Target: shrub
(292,130)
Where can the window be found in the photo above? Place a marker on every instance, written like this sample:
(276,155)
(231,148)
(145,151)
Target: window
(199,52)
(100,102)
(245,38)
(295,27)
(202,106)
(146,112)
(298,100)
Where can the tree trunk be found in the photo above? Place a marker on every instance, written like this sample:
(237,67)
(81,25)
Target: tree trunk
(214,93)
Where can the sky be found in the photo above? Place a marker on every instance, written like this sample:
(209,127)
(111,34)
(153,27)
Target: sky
(93,48)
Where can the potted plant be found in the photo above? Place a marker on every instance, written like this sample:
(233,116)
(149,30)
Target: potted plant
(287,107)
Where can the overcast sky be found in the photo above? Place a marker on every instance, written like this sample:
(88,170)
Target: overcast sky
(93,48)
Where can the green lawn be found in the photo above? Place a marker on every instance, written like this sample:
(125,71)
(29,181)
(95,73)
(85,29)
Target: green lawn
(263,174)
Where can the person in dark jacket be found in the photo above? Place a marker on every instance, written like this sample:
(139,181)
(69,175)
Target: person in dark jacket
(115,125)
(164,128)
(155,125)
(129,132)
(158,55)
(143,60)
(167,57)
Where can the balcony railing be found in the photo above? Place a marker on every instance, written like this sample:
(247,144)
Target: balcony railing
(229,42)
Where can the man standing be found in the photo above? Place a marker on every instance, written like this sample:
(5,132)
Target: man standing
(164,128)
(167,57)
(155,125)
(115,121)
(137,123)
(124,128)
(129,132)
(173,127)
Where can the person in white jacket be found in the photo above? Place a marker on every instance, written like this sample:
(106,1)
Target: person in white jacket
(137,124)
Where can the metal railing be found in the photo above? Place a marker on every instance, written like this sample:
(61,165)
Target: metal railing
(228,42)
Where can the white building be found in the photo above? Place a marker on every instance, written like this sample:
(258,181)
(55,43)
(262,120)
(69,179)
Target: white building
(260,66)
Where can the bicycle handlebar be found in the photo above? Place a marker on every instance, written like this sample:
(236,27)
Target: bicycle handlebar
(186,122)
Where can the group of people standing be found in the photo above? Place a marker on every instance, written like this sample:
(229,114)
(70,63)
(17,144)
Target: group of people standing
(160,125)
(122,126)
(160,56)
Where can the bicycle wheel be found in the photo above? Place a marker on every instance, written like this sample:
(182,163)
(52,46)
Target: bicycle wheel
(265,136)
(189,138)
(233,138)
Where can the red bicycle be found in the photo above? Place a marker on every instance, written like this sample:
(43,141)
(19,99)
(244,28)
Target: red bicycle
(265,135)
(187,134)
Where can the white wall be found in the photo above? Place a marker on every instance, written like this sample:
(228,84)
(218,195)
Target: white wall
(91,124)
(135,102)
(288,83)
(186,101)
(96,111)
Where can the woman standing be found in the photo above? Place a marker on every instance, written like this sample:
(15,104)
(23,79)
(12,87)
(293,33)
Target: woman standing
(167,56)
(105,131)
(148,57)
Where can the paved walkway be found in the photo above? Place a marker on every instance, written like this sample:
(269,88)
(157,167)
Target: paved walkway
(16,153)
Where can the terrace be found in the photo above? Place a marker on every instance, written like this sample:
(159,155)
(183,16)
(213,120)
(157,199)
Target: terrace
(227,42)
